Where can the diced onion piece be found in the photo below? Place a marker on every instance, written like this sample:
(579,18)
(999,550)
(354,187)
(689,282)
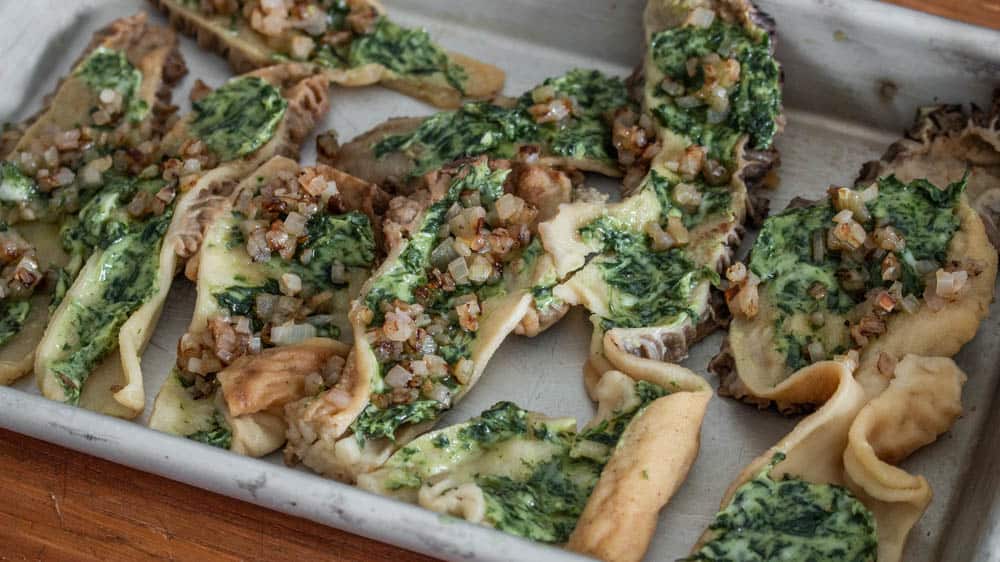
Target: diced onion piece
(301,46)
(436,364)
(687,195)
(480,269)
(847,236)
(888,238)
(509,205)
(64,177)
(715,116)
(264,305)
(885,301)
(466,224)
(290,284)
(817,319)
(691,65)
(676,229)
(442,255)
(463,370)
(459,270)
(736,273)
(891,268)
(816,351)
(440,393)
(701,17)
(313,384)
(289,334)
(950,284)
(461,247)
(397,377)
(295,224)
(468,313)
(543,94)
(671,87)
(660,239)
(398,326)
(843,216)
(870,193)
(848,199)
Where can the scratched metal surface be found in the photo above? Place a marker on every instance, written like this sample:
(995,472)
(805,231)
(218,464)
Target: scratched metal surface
(855,72)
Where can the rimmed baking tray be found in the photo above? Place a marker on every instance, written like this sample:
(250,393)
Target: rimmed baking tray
(855,72)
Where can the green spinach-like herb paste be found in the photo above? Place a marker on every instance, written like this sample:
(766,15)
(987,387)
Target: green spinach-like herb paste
(218,433)
(791,519)
(754,103)
(239,117)
(122,280)
(783,257)
(541,493)
(375,423)
(405,51)
(13,314)
(547,504)
(410,270)
(479,128)
(648,287)
(15,186)
(110,69)
(401,281)
(346,239)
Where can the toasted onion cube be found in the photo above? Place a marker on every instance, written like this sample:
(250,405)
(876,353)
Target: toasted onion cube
(463,370)
(736,273)
(459,270)
(289,334)
(480,269)
(398,326)
(290,284)
(295,224)
(397,377)
(509,205)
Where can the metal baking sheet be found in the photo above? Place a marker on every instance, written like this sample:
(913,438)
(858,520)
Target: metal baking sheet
(855,72)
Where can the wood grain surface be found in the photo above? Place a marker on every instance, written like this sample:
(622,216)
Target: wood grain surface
(57,504)
(980,12)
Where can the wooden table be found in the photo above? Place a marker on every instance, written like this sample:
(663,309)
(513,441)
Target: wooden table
(57,504)
(979,12)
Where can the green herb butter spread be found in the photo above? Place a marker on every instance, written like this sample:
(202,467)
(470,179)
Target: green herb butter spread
(791,519)
(817,297)
(124,251)
(109,69)
(647,287)
(405,51)
(239,117)
(754,101)
(534,474)
(13,314)
(479,128)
